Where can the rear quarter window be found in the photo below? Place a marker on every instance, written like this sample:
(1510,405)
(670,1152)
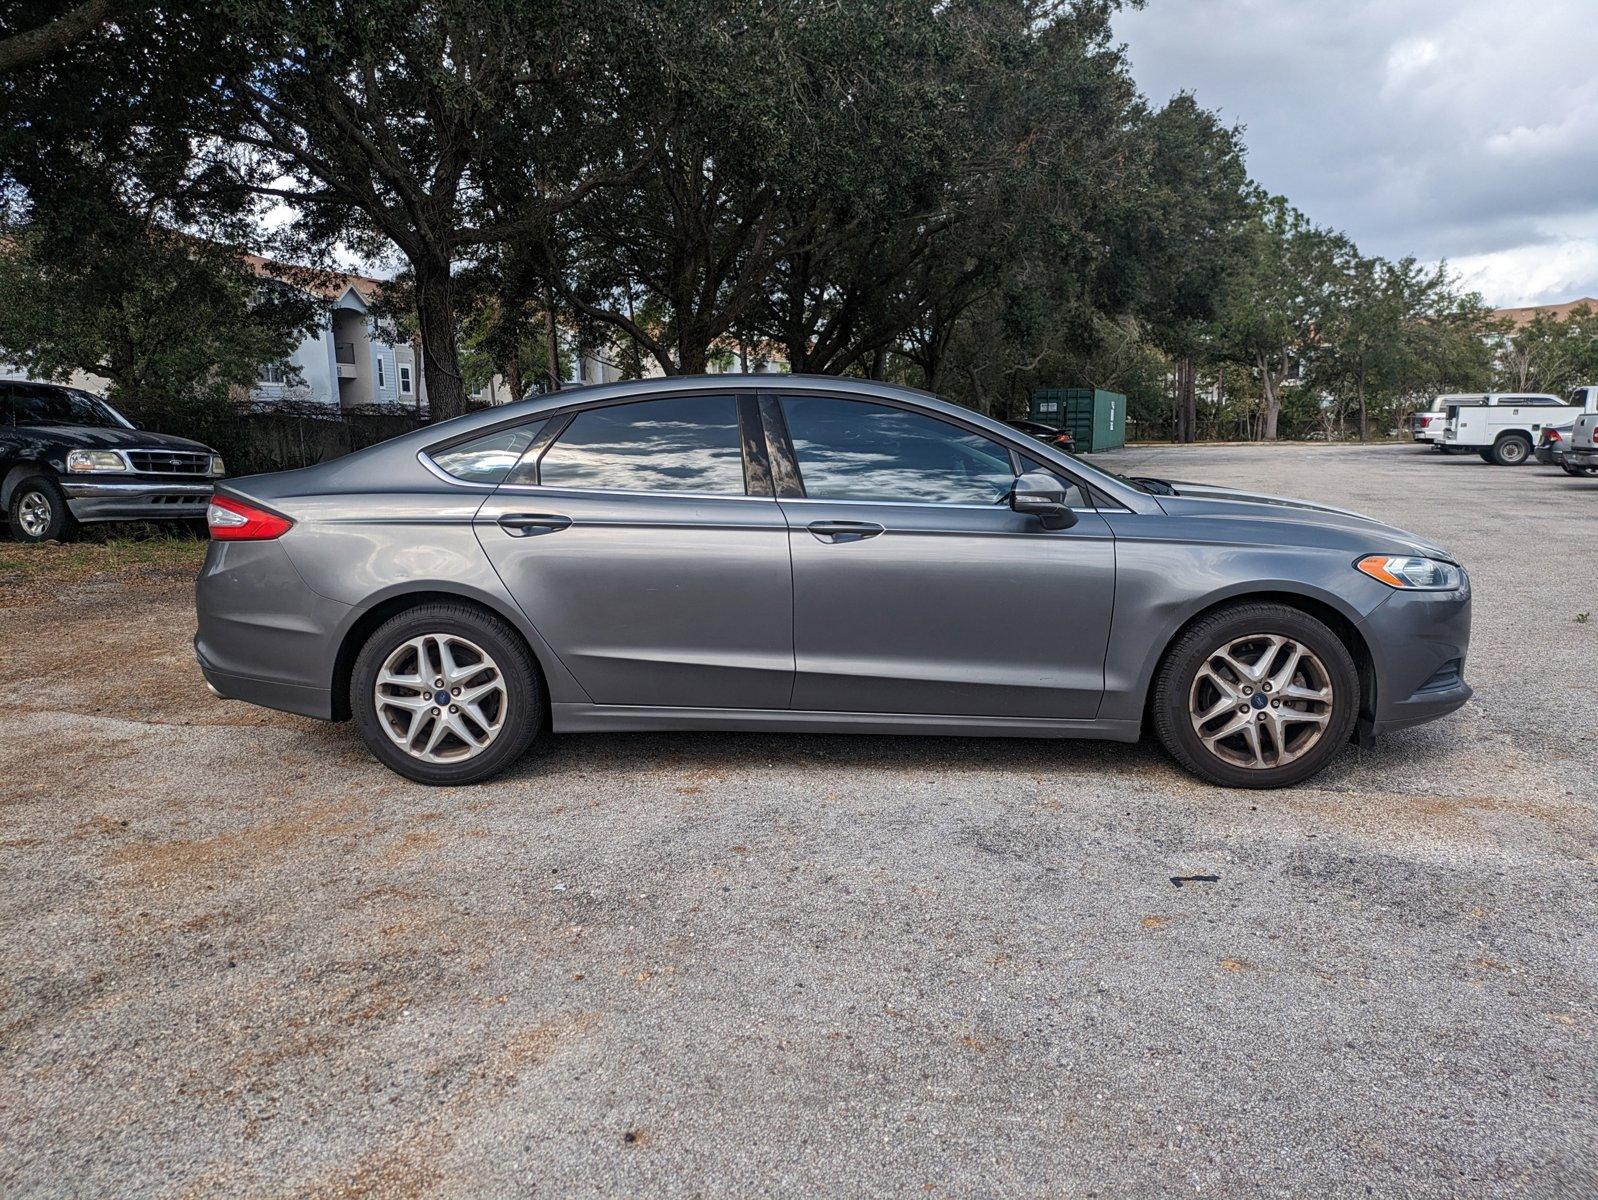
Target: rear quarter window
(486,459)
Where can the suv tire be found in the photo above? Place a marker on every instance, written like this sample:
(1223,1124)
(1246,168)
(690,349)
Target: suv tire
(1511,450)
(477,705)
(1190,680)
(39,512)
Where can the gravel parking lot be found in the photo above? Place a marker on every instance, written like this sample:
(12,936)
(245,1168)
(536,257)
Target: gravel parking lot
(242,959)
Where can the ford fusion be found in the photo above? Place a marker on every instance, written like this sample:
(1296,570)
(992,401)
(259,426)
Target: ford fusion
(817,555)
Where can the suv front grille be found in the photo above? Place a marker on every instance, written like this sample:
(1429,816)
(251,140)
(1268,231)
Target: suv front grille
(170,462)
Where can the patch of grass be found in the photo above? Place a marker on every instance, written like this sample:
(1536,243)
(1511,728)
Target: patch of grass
(126,554)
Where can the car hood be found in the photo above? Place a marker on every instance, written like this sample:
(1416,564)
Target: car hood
(96,437)
(1207,500)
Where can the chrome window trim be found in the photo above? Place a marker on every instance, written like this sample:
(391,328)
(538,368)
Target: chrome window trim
(539,489)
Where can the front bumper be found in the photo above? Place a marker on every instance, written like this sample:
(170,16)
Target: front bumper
(134,500)
(1418,642)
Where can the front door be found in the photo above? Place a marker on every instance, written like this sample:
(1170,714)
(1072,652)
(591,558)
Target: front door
(916,588)
(644,545)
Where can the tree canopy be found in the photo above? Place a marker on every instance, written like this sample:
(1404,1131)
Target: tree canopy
(967,195)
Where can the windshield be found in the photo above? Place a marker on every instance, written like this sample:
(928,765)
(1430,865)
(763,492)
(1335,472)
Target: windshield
(63,406)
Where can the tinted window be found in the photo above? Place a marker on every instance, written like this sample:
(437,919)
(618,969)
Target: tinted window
(853,450)
(487,459)
(680,444)
(34,404)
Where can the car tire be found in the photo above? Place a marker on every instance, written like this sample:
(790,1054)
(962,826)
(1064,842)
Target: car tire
(1511,450)
(1583,471)
(461,743)
(1285,750)
(39,513)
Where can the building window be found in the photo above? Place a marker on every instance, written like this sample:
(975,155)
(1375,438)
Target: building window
(405,379)
(275,373)
(380,382)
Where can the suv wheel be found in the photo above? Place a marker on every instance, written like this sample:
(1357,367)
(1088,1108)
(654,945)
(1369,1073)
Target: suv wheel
(1511,450)
(39,511)
(446,694)
(1257,695)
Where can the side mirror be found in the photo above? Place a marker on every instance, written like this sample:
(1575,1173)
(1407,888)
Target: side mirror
(1041,495)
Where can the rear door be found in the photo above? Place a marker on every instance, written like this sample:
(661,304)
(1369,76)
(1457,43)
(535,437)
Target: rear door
(916,589)
(643,542)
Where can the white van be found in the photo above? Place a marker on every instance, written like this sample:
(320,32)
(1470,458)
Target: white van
(1503,426)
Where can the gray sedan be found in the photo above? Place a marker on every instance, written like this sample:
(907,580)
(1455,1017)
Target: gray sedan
(816,554)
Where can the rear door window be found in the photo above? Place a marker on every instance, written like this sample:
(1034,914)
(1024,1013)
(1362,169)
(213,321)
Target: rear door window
(687,444)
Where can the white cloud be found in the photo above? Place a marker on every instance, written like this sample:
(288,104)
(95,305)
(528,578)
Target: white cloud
(1458,129)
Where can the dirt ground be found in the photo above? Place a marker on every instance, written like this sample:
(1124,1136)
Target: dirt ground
(239,958)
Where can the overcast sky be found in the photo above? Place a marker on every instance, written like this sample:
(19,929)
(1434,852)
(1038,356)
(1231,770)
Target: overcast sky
(1457,129)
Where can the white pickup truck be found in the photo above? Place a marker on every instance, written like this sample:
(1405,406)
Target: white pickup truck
(1583,452)
(1503,426)
(1428,424)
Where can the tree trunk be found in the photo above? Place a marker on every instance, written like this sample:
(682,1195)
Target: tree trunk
(435,318)
(1273,402)
(512,371)
(552,336)
(1186,399)
(1362,404)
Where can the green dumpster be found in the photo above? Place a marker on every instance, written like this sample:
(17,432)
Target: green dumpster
(1096,418)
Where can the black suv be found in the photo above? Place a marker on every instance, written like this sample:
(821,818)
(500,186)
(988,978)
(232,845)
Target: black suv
(68,457)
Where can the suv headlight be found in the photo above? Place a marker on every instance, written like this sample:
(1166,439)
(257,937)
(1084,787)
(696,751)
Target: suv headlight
(86,462)
(1412,574)
(218,468)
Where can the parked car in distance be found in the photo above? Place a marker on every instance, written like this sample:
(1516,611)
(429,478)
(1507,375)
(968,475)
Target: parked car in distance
(1582,457)
(810,554)
(1504,427)
(1050,434)
(1554,445)
(68,458)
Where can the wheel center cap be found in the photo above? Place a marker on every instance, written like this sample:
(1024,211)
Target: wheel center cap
(1259,700)
(441,698)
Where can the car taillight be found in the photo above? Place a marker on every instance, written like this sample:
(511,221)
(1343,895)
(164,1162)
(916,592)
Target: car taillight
(233,520)
(1063,439)
(1552,435)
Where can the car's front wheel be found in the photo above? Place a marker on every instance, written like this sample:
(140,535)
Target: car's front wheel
(39,511)
(446,694)
(1256,695)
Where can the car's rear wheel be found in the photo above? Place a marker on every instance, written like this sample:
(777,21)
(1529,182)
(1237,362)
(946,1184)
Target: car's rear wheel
(1256,695)
(1570,470)
(446,694)
(1511,450)
(39,511)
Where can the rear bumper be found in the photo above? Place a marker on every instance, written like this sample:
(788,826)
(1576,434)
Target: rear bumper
(1581,458)
(1419,642)
(128,500)
(264,636)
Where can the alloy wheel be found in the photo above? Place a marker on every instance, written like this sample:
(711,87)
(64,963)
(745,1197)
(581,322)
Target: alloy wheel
(1261,701)
(440,698)
(34,513)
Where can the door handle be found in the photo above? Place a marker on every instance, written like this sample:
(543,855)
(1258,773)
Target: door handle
(528,524)
(844,531)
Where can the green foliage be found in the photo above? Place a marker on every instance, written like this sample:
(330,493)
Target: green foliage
(966,195)
(1549,354)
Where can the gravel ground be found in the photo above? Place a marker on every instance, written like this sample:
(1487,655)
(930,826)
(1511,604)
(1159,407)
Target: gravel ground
(241,959)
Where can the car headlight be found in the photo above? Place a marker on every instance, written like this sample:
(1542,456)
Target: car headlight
(1412,574)
(217,465)
(85,462)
